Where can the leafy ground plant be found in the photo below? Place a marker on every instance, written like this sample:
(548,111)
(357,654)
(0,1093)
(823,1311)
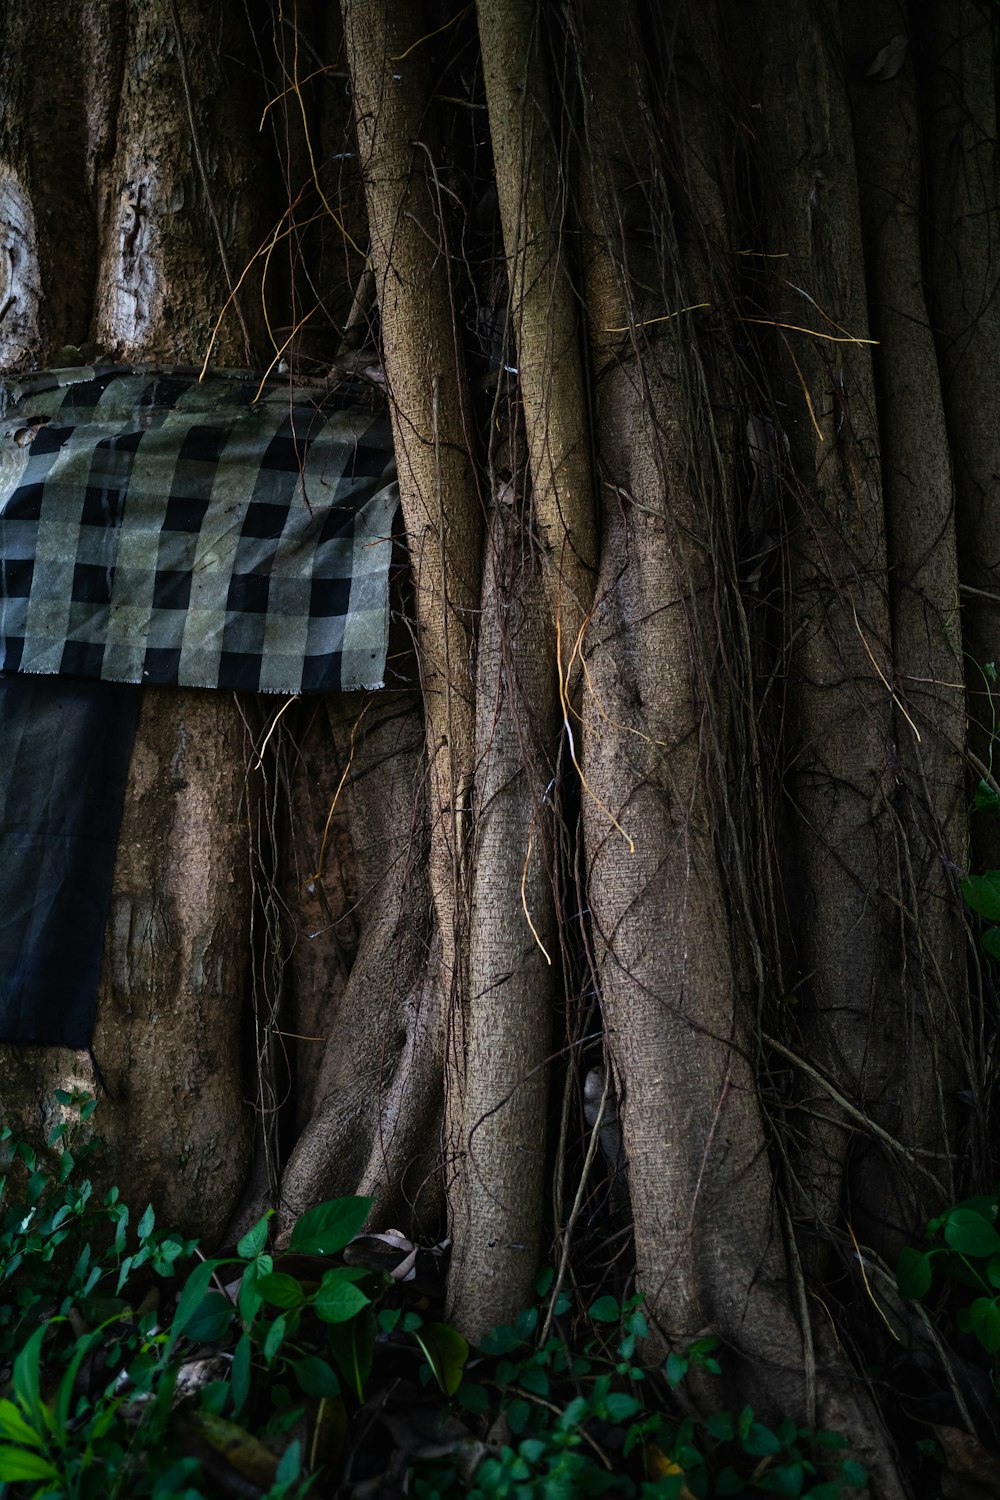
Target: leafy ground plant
(963,1255)
(133,1365)
(592,1419)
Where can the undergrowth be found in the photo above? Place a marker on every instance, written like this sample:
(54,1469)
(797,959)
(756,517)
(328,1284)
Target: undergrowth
(133,1365)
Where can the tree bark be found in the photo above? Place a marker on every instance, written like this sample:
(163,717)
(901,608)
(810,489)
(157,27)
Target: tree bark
(959,95)
(934,1022)
(708,1247)
(839,701)
(172,182)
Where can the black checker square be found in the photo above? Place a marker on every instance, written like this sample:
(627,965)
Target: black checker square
(287,451)
(164,391)
(82,396)
(338,524)
(92,584)
(11,652)
(171,590)
(366,461)
(82,659)
(25,504)
(204,445)
(248,593)
(184,514)
(329,597)
(239,671)
(161,665)
(263,521)
(15,577)
(321,674)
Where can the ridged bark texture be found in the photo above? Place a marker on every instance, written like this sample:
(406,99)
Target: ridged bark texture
(838,695)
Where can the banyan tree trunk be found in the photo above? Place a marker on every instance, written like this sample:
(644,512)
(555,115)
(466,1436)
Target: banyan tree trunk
(677,733)
(169,201)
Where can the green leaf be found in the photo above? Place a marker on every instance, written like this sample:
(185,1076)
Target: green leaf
(446,1352)
(535,1380)
(473,1397)
(990,939)
(982,894)
(212,1320)
(275,1337)
(986,800)
(316,1377)
(719,1425)
(330,1226)
(214,1396)
(518,1413)
(605,1310)
(280,1290)
(500,1340)
(784,1479)
(191,1298)
(788,1432)
(26,1376)
(675,1369)
(913,1272)
(984,1322)
(18,1463)
(123,1272)
(14,1427)
(620,1406)
(64,1395)
(969,1233)
(338,1300)
(574,1414)
(145,1226)
(546,1276)
(854,1474)
(241,1373)
(531,1450)
(526,1321)
(255,1239)
(291,1463)
(760,1441)
(248,1301)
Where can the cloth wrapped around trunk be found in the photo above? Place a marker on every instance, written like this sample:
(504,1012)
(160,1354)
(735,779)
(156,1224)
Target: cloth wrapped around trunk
(158,528)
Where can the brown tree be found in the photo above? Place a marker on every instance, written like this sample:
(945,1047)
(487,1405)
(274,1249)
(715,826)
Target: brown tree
(686,316)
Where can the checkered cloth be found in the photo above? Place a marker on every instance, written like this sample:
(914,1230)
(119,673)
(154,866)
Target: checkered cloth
(155,528)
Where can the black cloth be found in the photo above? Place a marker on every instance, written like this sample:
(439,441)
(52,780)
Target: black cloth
(64,756)
(158,528)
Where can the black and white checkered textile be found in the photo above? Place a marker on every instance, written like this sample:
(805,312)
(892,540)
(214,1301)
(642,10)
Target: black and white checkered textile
(158,528)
